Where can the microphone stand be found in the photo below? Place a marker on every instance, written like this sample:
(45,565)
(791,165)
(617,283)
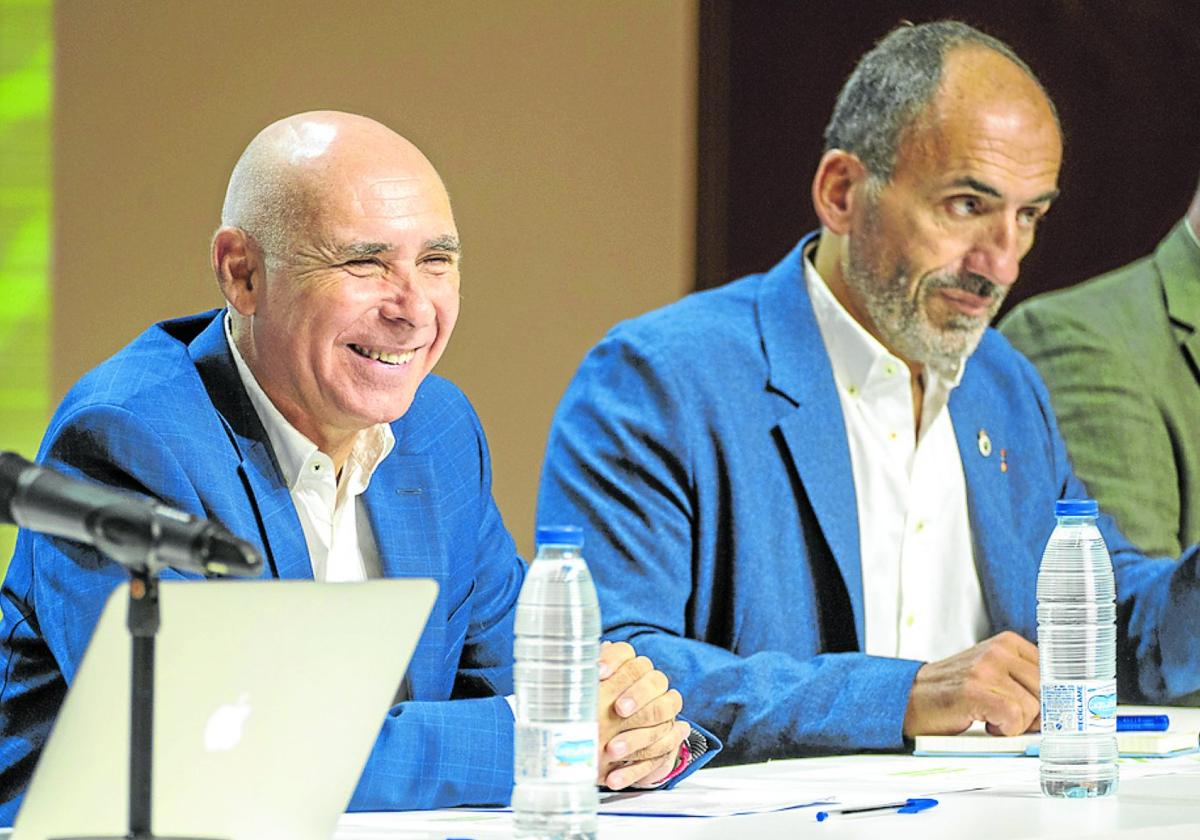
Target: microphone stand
(143,623)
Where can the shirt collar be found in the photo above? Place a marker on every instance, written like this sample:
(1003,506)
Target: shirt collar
(293,450)
(1195,237)
(855,354)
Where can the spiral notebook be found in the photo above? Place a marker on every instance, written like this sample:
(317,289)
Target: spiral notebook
(976,742)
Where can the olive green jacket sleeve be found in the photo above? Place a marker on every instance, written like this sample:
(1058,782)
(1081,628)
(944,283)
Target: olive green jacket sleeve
(1121,357)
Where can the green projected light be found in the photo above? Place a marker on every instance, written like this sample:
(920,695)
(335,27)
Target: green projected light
(26,56)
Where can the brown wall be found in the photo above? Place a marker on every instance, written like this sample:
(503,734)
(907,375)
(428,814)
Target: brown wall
(564,131)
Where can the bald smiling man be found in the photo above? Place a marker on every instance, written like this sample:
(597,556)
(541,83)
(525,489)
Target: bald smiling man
(292,417)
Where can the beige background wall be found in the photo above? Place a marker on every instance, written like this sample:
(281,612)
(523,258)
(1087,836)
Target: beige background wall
(564,131)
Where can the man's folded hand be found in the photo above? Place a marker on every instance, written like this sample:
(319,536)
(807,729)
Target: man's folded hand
(639,736)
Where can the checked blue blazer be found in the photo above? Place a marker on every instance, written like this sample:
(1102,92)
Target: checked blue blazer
(168,417)
(703,447)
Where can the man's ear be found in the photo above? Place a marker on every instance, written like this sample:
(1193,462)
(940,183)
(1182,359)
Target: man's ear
(238,267)
(836,188)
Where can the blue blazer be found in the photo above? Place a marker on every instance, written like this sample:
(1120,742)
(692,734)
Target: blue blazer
(168,417)
(702,446)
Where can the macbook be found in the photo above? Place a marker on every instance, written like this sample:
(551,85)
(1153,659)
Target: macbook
(269,697)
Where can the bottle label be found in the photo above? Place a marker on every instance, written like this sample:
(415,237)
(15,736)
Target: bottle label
(557,752)
(1084,706)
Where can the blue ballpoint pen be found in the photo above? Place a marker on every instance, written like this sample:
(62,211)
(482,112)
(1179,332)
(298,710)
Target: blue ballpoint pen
(1143,723)
(908,806)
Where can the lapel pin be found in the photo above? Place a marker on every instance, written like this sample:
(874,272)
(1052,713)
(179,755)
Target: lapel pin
(1003,460)
(985,443)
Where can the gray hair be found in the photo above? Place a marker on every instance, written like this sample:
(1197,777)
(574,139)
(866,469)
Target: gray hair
(892,84)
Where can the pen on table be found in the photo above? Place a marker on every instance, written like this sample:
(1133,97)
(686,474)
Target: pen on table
(1143,723)
(908,806)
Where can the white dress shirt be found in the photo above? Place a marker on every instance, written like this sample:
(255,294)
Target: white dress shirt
(921,593)
(1187,225)
(341,545)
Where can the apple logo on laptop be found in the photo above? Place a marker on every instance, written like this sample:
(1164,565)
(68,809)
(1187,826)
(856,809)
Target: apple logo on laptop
(224,729)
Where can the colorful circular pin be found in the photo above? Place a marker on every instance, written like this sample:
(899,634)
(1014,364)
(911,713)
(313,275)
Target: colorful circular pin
(985,443)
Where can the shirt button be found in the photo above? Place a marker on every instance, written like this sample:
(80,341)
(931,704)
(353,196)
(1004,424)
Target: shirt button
(889,369)
(908,620)
(853,390)
(920,525)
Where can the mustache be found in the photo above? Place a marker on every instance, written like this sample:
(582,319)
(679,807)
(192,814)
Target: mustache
(969,281)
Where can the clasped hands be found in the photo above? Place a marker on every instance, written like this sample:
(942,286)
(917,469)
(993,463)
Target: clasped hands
(639,735)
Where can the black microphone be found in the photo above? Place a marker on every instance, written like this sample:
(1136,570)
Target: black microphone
(137,533)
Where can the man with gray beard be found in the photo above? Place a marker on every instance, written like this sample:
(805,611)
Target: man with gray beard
(817,497)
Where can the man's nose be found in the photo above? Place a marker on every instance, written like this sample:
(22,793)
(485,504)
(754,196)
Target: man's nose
(998,252)
(406,299)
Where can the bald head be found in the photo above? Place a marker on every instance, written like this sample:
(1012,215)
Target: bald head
(338,256)
(294,167)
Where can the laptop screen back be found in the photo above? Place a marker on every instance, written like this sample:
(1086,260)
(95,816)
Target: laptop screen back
(269,697)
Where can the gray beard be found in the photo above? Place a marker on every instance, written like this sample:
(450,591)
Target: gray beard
(902,321)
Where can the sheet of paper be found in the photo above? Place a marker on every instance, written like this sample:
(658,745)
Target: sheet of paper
(902,776)
(696,797)
(701,796)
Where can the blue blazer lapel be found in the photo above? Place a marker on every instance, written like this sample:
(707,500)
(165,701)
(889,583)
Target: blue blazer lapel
(984,444)
(282,537)
(402,507)
(282,532)
(815,432)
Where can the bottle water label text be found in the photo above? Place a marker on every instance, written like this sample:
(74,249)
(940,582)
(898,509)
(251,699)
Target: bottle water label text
(1084,706)
(557,752)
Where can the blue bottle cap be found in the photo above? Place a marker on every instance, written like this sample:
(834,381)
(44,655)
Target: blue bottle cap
(1076,507)
(568,535)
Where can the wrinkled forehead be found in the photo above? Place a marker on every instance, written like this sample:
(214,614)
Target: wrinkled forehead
(986,99)
(1012,140)
(390,197)
(381,203)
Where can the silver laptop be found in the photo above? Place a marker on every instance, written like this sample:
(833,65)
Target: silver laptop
(269,697)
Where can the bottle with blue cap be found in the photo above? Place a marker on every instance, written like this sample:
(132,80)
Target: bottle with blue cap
(1077,652)
(556,676)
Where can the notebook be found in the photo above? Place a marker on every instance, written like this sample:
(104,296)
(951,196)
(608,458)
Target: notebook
(269,697)
(976,742)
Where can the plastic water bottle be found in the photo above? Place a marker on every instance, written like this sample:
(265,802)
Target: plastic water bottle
(556,677)
(1077,650)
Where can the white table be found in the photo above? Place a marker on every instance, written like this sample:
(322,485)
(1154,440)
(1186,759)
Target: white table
(1162,807)
(1145,807)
